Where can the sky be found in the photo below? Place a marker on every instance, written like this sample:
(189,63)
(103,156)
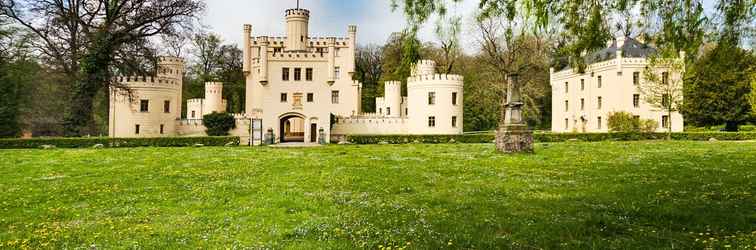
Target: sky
(375,19)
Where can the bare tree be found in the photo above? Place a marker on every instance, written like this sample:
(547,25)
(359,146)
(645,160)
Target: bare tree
(368,70)
(663,88)
(84,38)
(447,31)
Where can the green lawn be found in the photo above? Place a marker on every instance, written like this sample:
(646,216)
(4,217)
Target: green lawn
(624,195)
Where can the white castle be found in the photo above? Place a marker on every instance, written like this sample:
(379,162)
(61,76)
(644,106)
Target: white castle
(295,86)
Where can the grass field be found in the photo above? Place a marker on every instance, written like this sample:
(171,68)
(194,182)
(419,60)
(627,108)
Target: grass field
(628,195)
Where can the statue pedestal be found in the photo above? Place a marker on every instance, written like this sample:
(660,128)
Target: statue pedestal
(514,138)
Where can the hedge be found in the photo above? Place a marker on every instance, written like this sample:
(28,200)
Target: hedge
(548,137)
(119,142)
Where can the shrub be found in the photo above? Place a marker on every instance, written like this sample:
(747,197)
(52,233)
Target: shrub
(118,142)
(547,137)
(648,125)
(218,124)
(622,122)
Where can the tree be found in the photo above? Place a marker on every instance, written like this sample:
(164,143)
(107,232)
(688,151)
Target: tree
(369,70)
(718,92)
(218,124)
(85,37)
(447,31)
(662,86)
(622,122)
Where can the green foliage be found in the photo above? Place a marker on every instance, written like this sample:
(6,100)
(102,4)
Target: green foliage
(548,137)
(218,124)
(720,90)
(82,142)
(622,122)
(9,108)
(647,125)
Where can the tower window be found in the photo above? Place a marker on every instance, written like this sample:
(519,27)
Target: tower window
(310,97)
(665,78)
(167,106)
(388,110)
(454,98)
(636,100)
(144,105)
(431,121)
(665,121)
(335,96)
(582,84)
(566,123)
(308,74)
(599,122)
(284,97)
(636,78)
(599,81)
(566,106)
(431,98)
(193,114)
(301,38)
(454,121)
(582,103)
(566,87)
(297,74)
(337,72)
(162,129)
(285,74)
(136,129)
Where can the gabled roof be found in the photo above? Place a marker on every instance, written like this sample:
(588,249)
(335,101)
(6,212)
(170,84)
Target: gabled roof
(630,48)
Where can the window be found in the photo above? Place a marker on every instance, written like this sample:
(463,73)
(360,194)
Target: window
(454,98)
(636,100)
(162,127)
(297,100)
(285,74)
(284,98)
(582,84)
(598,122)
(599,103)
(277,50)
(193,114)
(665,121)
(136,129)
(566,123)
(337,72)
(566,87)
(380,111)
(431,98)
(297,74)
(308,74)
(636,118)
(388,110)
(144,106)
(431,121)
(310,97)
(335,96)
(454,121)
(665,101)
(599,81)
(665,78)
(406,111)
(167,107)
(636,78)
(582,103)
(566,106)
(301,38)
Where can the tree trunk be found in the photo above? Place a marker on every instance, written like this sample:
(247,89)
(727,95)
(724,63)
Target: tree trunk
(79,121)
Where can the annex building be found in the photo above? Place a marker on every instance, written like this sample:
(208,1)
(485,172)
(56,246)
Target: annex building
(582,102)
(299,88)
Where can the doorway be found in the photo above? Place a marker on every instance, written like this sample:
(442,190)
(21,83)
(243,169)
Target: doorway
(292,129)
(313,132)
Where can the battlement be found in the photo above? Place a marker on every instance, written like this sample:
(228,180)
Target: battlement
(298,12)
(313,41)
(195,100)
(392,83)
(247,28)
(352,29)
(149,81)
(435,77)
(213,85)
(424,67)
(170,60)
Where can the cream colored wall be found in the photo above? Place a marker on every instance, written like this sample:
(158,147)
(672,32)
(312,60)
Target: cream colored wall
(418,88)
(194,106)
(616,92)
(371,124)
(125,114)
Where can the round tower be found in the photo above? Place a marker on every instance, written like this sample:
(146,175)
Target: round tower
(170,67)
(213,98)
(424,67)
(434,101)
(297,25)
(393,98)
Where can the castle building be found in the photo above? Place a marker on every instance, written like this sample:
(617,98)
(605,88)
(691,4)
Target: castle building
(582,101)
(300,89)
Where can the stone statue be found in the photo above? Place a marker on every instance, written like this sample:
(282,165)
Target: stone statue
(513,135)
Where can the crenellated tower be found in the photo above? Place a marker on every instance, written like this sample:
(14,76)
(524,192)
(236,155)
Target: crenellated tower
(297,28)
(392,98)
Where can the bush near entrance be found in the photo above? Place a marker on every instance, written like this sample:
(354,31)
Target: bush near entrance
(218,124)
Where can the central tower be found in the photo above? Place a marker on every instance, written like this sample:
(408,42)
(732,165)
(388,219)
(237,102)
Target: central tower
(297,25)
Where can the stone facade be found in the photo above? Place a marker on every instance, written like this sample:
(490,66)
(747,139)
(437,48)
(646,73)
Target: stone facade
(581,102)
(296,85)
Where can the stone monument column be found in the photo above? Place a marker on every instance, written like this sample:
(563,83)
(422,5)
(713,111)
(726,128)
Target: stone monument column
(513,135)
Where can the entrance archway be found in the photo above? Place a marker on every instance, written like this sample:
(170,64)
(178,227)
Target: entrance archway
(292,128)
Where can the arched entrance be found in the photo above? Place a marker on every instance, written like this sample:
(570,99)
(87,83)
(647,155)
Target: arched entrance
(292,128)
